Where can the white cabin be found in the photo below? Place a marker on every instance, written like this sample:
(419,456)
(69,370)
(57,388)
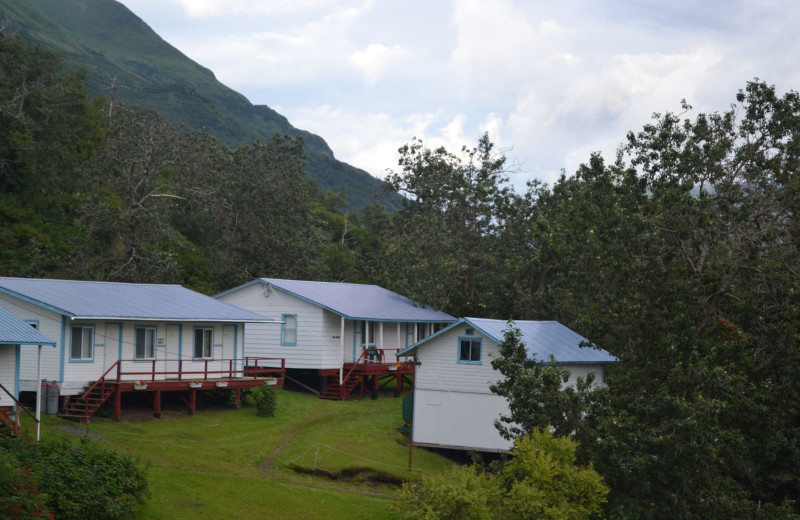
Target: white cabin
(324,325)
(453,406)
(16,334)
(155,331)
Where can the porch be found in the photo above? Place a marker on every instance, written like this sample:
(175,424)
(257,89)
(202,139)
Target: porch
(374,369)
(189,378)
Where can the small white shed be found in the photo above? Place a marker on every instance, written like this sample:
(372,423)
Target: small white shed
(453,406)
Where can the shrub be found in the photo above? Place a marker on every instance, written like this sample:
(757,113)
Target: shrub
(19,494)
(540,479)
(264,399)
(88,480)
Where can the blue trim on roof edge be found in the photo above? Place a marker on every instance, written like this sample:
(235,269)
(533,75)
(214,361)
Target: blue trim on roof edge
(35,302)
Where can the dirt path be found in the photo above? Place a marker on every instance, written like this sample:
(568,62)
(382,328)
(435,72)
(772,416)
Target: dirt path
(268,464)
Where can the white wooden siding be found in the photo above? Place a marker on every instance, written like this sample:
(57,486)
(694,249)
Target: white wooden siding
(174,341)
(459,420)
(440,369)
(8,376)
(312,349)
(49,324)
(453,406)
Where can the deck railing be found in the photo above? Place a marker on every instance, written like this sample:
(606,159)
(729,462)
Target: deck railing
(16,427)
(381,356)
(199,370)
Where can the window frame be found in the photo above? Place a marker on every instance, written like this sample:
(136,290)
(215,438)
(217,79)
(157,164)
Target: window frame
(284,329)
(145,328)
(82,326)
(473,341)
(203,330)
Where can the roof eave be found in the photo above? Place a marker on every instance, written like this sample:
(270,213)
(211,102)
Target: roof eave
(35,302)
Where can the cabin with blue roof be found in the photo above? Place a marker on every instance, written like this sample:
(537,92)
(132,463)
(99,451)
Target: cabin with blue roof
(453,406)
(346,334)
(113,338)
(14,335)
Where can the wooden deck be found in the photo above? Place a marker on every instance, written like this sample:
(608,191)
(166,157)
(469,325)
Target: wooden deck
(186,381)
(373,369)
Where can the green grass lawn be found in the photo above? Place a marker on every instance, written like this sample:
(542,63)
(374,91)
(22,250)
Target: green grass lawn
(227,463)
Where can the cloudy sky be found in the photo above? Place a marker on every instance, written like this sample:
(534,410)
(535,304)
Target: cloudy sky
(550,80)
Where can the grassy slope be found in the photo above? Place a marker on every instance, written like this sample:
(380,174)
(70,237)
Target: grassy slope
(224,463)
(108,40)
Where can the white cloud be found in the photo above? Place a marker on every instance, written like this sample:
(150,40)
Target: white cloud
(212,8)
(376,59)
(549,81)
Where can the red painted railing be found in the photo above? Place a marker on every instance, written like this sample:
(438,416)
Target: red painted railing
(199,369)
(16,427)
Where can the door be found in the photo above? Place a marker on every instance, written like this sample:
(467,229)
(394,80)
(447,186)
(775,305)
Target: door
(173,350)
(111,352)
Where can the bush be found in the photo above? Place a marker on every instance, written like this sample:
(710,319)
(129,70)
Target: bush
(540,479)
(19,494)
(88,480)
(264,399)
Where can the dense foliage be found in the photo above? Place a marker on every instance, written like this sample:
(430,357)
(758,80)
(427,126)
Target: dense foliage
(66,480)
(264,399)
(541,479)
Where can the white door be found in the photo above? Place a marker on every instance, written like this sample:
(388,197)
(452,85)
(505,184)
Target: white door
(172,350)
(113,333)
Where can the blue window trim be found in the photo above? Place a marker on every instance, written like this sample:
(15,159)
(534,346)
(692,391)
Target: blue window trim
(33,322)
(94,344)
(285,343)
(480,349)
(194,339)
(155,343)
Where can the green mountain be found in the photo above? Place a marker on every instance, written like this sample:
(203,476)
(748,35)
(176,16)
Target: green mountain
(110,42)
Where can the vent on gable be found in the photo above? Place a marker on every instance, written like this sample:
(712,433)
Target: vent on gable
(469,332)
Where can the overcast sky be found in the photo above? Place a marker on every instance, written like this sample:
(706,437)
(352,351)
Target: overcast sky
(551,81)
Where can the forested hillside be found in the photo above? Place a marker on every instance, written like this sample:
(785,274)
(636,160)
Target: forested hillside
(680,258)
(125,60)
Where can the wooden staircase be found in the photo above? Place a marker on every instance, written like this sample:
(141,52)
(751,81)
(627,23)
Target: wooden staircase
(83,407)
(339,392)
(9,419)
(335,391)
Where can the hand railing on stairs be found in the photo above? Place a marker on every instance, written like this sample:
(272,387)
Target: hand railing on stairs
(17,428)
(346,378)
(102,383)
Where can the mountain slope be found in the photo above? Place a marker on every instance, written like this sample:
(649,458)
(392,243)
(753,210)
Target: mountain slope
(110,41)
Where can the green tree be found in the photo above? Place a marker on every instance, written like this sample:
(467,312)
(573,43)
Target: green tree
(48,127)
(682,263)
(439,248)
(127,198)
(537,393)
(541,479)
(252,213)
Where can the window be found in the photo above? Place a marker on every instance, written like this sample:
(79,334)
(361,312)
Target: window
(82,342)
(203,343)
(289,330)
(422,331)
(145,343)
(367,333)
(469,350)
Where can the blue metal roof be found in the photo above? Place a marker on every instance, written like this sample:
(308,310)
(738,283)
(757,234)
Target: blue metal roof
(356,301)
(14,331)
(133,301)
(541,339)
